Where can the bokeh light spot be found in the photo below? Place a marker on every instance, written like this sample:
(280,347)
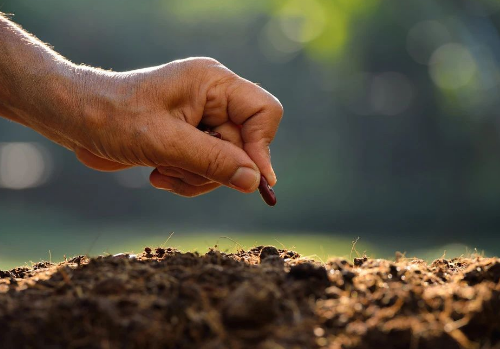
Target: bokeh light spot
(275,45)
(23,165)
(302,21)
(424,38)
(452,66)
(334,37)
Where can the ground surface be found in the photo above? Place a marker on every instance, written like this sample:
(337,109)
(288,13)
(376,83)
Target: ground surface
(261,298)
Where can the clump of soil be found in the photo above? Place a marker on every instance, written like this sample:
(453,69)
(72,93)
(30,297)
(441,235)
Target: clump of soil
(264,298)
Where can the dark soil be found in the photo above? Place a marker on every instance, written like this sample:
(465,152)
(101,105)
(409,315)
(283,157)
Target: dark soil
(262,298)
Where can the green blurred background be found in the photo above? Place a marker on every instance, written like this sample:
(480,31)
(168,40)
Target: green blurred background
(391,129)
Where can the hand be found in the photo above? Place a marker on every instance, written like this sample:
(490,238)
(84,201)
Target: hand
(149,117)
(146,117)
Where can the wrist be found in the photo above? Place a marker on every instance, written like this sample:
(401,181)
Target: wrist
(47,96)
(71,100)
(88,96)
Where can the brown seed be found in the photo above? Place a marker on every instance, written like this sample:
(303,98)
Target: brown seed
(265,189)
(214,134)
(267,192)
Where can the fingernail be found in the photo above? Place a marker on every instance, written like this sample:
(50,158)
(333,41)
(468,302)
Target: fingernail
(245,178)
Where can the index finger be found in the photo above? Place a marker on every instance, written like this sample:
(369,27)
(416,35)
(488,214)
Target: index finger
(259,113)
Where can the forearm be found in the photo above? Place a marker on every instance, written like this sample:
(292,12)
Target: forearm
(28,70)
(38,87)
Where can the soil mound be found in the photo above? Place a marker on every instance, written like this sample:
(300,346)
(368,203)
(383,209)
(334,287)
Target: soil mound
(263,298)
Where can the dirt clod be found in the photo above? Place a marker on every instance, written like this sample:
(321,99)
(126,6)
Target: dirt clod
(251,305)
(309,271)
(359,261)
(160,252)
(264,298)
(267,252)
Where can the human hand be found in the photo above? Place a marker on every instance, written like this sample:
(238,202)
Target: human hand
(149,117)
(146,117)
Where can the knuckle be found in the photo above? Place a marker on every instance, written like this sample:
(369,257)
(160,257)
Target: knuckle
(277,108)
(197,63)
(208,61)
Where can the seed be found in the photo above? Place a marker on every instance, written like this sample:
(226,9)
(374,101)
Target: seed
(265,189)
(267,192)
(208,131)
(214,134)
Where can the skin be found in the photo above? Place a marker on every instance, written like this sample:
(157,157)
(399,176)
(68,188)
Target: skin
(146,117)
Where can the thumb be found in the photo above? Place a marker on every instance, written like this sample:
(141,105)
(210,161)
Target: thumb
(215,159)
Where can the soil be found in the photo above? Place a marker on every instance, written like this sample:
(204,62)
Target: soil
(264,298)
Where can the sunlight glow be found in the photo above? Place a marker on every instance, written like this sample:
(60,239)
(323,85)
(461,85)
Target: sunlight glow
(275,45)
(302,21)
